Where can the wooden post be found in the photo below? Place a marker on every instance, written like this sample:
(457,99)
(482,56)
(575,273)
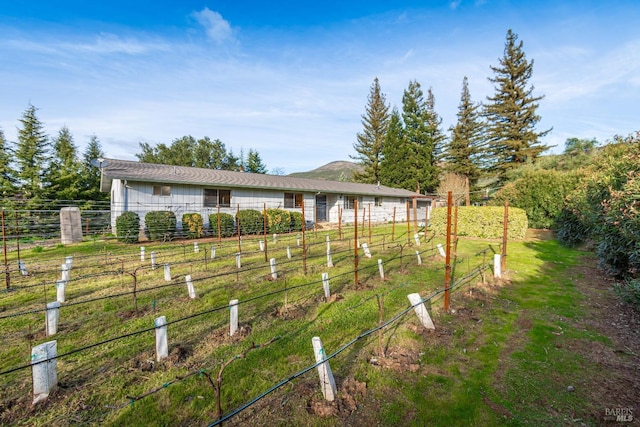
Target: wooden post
(503,259)
(355,241)
(264,214)
(304,241)
(447,271)
(415,215)
(393,225)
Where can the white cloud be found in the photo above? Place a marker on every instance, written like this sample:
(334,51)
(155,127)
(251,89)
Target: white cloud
(454,4)
(217,28)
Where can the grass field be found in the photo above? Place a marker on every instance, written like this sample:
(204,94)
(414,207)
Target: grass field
(501,355)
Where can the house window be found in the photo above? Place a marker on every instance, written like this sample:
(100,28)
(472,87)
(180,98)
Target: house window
(349,201)
(214,197)
(292,200)
(378,202)
(161,190)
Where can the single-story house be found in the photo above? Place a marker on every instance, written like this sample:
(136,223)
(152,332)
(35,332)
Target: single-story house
(144,187)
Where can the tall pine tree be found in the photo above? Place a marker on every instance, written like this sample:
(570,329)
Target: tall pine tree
(7,174)
(393,152)
(435,131)
(90,188)
(463,154)
(64,177)
(512,112)
(370,141)
(31,156)
(254,163)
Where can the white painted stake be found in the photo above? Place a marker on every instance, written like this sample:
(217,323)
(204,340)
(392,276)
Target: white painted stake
(416,237)
(327,382)
(421,311)
(238,261)
(419,257)
(60,285)
(275,238)
(441,249)
(141,253)
(196,247)
(329,261)
(190,288)
(233,317)
(274,273)
(497,266)
(213,252)
(381,269)
(298,239)
(325,285)
(69,261)
(261,243)
(288,252)
(66,272)
(52,316)
(23,268)
(153,261)
(162,345)
(167,273)
(44,370)
(367,252)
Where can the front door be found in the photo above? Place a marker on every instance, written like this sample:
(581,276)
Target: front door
(321,208)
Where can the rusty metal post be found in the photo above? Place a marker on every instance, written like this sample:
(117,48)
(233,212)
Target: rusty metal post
(415,215)
(7,278)
(408,224)
(447,270)
(503,258)
(304,241)
(355,241)
(393,225)
(264,215)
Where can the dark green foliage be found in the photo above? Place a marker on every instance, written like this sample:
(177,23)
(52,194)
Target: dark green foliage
(201,153)
(128,227)
(464,152)
(370,141)
(629,291)
(485,222)
(512,112)
(279,220)
(192,225)
(393,152)
(251,221)
(541,193)
(227,224)
(31,156)
(254,163)
(64,173)
(296,221)
(90,187)
(7,174)
(605,208)
(161,225)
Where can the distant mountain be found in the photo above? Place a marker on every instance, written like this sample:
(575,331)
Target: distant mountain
(335,171)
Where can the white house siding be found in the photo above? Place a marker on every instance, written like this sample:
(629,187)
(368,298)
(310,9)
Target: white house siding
(138,197)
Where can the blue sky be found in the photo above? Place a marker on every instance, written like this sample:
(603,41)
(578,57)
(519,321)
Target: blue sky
(291,79)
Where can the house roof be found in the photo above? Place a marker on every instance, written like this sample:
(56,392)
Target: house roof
(168,174)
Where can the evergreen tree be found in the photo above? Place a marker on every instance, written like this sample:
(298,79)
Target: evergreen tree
(7,174)
(463,155)
(370,141)
(511,112)
(435,131)
(64,176)
(254,163)
(90,183)
(393,153)
(419,166)
(31,156)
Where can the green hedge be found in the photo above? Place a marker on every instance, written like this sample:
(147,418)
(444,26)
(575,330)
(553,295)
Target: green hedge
(296,221)
(279,220)
(161,225)
(251,221)
(227,224)
(485,222)
(192,225)
(128,227)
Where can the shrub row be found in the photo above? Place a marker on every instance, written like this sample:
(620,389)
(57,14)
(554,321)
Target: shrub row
(484,222)
(161,225)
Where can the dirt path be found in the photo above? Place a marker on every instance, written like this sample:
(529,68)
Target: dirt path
(618,386)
